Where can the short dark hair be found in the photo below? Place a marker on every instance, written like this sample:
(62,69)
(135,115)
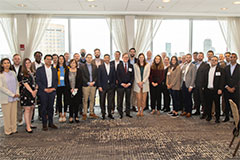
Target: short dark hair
(48,55)
(125,54)
(201,53)
(132,49)
(189,54)
(210,51)
(195,53)
(16,54)
(88,55)
(38,52)
(97,49)
(215,57)
(234,54)
(118,52)
(227,53)
(54,55)
(106,55)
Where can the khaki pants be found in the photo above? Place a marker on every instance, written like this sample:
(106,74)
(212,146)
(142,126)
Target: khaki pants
(19,112)
(10,117)
(88,92)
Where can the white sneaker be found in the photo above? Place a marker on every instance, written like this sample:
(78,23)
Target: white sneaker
(20,123)
(64,119)
(60,119)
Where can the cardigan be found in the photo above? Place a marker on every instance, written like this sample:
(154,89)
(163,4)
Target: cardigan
(137,78)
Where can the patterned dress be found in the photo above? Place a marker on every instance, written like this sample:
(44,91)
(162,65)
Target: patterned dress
(26,98)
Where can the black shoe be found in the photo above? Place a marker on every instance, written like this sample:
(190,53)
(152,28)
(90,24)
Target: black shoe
(203,116)
(174,115)
(217,121)
(77,120)
(110,116)
(128,115)
(134,109)
(45,128)
(53,126)
(209,119)
(121,116)
(166,110)
(226,119)
(29,131)
(197,113)
(103,117)
(170,113)
(34,127)
(71,121)
(146,108)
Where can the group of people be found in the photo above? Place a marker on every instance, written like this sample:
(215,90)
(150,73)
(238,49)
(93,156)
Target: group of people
(135,80)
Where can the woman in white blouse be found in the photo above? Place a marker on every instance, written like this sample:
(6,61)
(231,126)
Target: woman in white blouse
(141,82)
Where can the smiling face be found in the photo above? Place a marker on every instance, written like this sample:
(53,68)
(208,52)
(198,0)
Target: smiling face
(17,60)
(28,64)
(6,64)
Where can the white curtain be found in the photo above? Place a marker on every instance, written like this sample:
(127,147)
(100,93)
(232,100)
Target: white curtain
(231,31)
(118,29)
(9,25)
(146,29)
(36,27)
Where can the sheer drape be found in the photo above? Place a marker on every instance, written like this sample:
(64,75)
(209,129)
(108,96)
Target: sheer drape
(9,25)
(231,31)
(36,27)
(118,29)
(146,29)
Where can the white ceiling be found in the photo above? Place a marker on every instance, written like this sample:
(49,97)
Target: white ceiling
(146,7)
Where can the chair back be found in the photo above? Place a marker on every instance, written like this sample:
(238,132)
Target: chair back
(234,112)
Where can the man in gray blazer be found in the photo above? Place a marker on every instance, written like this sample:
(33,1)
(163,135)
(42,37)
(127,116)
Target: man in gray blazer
(188,80)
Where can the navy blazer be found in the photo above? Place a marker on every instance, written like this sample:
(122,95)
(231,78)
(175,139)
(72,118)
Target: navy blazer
(113,63)
(41,79)
(105,80)
(234,79)
(125,77)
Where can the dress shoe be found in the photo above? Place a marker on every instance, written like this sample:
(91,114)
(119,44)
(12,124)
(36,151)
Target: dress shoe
(103,117)
(203,116)
(174,115)
(84,117)
(110,116)
(77,120)
(217,121)
(121,116)
(184,113)
(93,115)
(71,121)
(29,131)
(146,108)
(188,115)
(134,109)
(208,118)
(197,113)
(128,115)
(166,110)
(53,126)
(34,127)
(226,119)
(45,128)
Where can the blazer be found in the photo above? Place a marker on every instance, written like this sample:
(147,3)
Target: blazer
(199,82)
(113,63)
(78,81)
(4,91)
(174,78)
(105,80)
(190,75)
(86,76)
(124,77)
(234,79)
(19,72)
(137,76)
(41,79)
(135,60)
(218,80)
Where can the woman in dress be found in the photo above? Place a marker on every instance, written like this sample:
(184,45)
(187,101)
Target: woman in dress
(9,93)
(28,92)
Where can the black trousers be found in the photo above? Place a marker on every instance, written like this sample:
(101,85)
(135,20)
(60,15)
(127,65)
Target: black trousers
(199,100)
(212,96)
(176,100)
(62,93)
(156,96)
(47,101)
(234,97)
(186,99)
(166,97)
(114,93)
(74,104)
(107,93)
(120,95)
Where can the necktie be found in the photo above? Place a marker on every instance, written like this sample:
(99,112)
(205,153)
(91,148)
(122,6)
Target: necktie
(125,67)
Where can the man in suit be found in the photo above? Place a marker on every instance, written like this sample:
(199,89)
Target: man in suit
(47,81)
(125,77)
(106,84)
(232,81)
(133,60)
(97,61)
(213,87)
(17,68)
(115,63)
(188,79)
(198,91)
(89,78)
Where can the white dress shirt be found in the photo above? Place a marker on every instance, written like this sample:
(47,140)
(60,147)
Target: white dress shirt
(49,75)
(16,69)
(116,64)
(107,66)
(37,65)
(211,76)
(232,68)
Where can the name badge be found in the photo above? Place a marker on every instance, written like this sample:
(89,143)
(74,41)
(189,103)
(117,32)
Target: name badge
(62,78)
(218,73)
(130,69)
(168,73)
(183,71)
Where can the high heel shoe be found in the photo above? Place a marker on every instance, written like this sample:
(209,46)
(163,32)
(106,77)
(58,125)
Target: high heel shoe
(29,131)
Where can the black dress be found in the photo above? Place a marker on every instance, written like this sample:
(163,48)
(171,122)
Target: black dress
(26,98)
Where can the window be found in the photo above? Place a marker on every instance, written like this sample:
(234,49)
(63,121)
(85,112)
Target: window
(90,34)
(4,48)
(207,35)
(172,37)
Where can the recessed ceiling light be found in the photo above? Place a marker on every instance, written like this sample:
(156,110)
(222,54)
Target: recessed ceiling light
(91,0)
(236,2)
(166,1)
(22,5)
(224,9)
(160,6)
(92,6)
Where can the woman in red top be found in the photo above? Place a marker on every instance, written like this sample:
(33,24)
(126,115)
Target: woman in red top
(156,83)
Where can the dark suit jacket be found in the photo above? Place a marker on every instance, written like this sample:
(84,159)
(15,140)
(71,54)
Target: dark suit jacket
(41,79)
(105,80)
(19,72)
(78,83)
(123,77)
(219,78)
(113,63)
(85,74)
(199,81)
(234,79)
(93,62)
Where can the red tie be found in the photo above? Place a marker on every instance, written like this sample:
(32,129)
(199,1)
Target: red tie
(125,67)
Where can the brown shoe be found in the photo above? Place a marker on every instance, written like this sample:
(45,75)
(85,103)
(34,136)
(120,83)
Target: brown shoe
(84,117)
(188,115)
(52,126)
(45,128)
(184,114)
(93,115)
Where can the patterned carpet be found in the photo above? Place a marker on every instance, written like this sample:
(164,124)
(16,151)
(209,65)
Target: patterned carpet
(148,137)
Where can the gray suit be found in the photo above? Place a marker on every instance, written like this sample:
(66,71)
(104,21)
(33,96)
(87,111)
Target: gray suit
(190,75)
